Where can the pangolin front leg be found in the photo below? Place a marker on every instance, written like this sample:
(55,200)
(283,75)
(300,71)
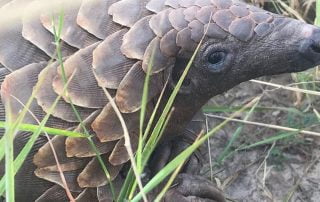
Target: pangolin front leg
(109,44)
(188,186)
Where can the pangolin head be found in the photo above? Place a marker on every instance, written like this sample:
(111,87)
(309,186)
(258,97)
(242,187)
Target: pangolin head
(237,42)
(236,49)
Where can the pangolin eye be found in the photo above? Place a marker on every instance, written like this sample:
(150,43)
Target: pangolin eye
(216,58)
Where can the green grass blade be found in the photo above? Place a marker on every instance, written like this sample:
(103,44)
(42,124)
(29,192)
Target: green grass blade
(126,187)
(159,125)
(144,102)
(270,140)
(50,131)
(28,146)
(127,140)
(235,135)
(2,148)
(7,181)
(57,34)
(129,179)
(225,109)
(11,131)
(162,121)
(155,135)
(150,147)
(168,184)
(170,167)
(317,20)
(143,135)
(9,160)
(22,114)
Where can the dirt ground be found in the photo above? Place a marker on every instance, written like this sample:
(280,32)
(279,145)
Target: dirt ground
(289,169)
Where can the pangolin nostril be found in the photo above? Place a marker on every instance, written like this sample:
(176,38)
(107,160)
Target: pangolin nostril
(315,47)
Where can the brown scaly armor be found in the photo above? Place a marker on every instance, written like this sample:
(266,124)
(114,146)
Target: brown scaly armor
(109,44)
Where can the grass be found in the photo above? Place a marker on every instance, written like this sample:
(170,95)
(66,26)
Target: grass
(11,130)
(306,85)
(302,116)
(143,153)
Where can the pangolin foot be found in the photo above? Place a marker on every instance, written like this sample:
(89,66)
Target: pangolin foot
(192,188)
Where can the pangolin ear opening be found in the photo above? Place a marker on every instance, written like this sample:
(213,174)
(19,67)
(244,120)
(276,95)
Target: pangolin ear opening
(176,73)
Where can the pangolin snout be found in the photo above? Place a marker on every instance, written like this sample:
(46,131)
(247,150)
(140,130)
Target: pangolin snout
(315,47)
(310,44)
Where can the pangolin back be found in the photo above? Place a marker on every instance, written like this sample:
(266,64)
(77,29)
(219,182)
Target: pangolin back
(106,44)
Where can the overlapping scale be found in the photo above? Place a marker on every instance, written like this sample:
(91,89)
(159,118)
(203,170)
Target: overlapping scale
(155,59)
(160,23)
(239,11)
(92,16)
(137,39)
(242,29)
(261,17)
(156,5)
(131,30)
(88,194)
(55,193)
(34,32)
(172,3)
(93,174)
(128,12)
(186,3)
(17,89)
(263,29)
(46,97)
(119,154)
(71,32)
(190,13)
(83,88)
(108,127)
(222,4)
(223,18)
(81,147)
(44,159)
(129,93)
(177,20)
(168,45)
(197,30)
(202,3)
(205,13)
(15,51)
(109,64)
(48,169)
(183,40)
(55,177)
(214,31)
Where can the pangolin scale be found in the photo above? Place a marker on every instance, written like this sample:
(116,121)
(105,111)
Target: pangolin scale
(110,44)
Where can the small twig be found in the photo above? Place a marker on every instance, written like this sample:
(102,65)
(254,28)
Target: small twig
(264,163)
(127,143)
(53,151)
(209,150)
(317,113)
(291,10)
(306,132)
(291,192)
(311,92)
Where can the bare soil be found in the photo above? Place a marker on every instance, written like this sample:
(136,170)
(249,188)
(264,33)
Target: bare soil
(286,170)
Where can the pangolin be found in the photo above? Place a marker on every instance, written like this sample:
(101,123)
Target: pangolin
(110,44)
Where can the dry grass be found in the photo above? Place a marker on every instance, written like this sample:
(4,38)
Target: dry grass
(303,10)
(246,139)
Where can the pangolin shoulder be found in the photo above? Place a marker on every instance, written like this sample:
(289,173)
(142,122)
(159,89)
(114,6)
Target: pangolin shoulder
(106,44)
